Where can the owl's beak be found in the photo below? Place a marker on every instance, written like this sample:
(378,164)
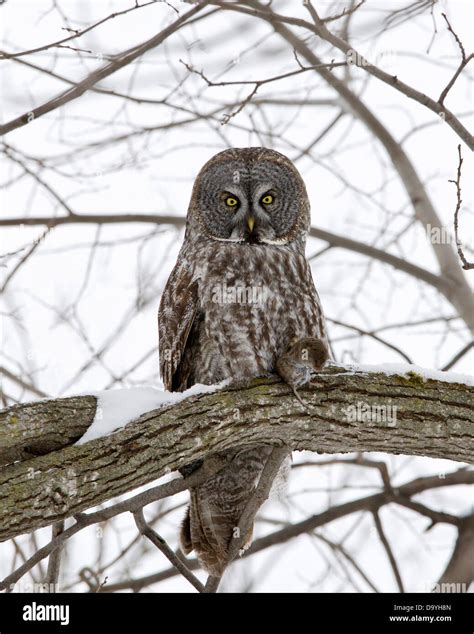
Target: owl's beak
(250,223)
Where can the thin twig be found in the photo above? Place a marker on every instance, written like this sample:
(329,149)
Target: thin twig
(388,549)
(283,535)
(459,43)
(440,282)
(259,496)
(147,531)
(464,62)
(459,355)
(257,83)
(465,264)
(319,28)
(212,584)
(54,562)
(120,61)
(75,34)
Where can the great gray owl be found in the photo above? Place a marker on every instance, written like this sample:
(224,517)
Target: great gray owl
(239,303)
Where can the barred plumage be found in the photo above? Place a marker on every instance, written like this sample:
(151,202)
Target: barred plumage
(239,303)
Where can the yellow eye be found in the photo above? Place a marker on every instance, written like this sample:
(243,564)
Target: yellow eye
(230,201)
(267,200)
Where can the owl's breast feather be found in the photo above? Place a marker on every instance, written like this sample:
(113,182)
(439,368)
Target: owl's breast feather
(254,300)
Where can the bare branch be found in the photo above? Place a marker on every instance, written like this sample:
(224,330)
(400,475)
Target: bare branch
(422,205)
(433,418)
(464,62)
(119,61)
(388,550)
(54,562)
(320,29)
(146,530)
(459,355)
(443,284)
(76,34)
(465,264)
(259,496)
(212,584)
(460,568)
(401,495)
(131,505)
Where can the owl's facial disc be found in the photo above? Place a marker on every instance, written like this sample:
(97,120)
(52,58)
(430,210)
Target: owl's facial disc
(254,196)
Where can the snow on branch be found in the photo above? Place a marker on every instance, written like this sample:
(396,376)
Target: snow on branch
(393,409)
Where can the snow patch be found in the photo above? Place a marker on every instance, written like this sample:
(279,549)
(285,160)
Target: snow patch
(116,408)
(405,368)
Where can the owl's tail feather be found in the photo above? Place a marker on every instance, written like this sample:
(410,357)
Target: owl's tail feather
(185,534)
(208,532)
(215,509)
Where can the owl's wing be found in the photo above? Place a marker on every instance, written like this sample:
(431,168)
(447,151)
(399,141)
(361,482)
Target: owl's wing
(178,309)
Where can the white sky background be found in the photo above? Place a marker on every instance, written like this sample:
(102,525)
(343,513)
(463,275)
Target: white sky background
(154,172)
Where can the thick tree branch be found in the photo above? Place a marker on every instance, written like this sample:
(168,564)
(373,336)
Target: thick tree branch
(344,413)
